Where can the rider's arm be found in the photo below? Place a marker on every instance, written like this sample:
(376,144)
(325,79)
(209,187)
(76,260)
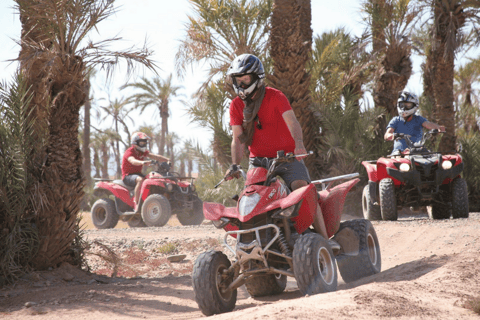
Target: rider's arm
(158,157)
(389,134)
(137,162)
(295,131)
(430,125)
(237,146)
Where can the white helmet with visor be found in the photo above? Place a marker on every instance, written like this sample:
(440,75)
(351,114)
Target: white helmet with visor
(407,104)
(243,65)
(140,141)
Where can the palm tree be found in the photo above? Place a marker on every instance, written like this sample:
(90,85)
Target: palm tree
(87,163)
(156,92)
(450,17)
(467,97)
(117,110)
(291,46)
(391,22)
(222,30)
(55,67)
(172,140)
(208,111)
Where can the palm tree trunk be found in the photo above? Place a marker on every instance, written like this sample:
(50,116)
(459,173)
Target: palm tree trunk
(164,116)
(291,44)
(87,164)
(444,68)
(57,84)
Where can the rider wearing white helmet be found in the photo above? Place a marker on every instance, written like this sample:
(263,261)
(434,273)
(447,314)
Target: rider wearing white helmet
(133,161)
(408,122)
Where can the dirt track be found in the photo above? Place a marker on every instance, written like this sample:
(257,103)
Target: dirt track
(430,270)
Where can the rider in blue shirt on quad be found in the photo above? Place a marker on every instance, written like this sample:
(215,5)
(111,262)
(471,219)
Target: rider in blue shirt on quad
(407,122)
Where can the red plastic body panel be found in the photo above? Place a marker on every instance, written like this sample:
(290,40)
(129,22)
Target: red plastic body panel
(331,202)
(117,190)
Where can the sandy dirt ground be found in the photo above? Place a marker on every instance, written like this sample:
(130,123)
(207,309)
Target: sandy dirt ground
(430,270)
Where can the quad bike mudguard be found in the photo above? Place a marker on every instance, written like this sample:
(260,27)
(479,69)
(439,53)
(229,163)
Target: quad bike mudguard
(117,191)
(331,202)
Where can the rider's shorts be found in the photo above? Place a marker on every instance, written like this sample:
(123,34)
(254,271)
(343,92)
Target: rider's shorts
(131,179)
(289,171)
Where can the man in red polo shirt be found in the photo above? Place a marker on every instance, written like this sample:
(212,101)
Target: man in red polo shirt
(133,161)
(263,119)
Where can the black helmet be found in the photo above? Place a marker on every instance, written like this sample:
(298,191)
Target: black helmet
(242,65)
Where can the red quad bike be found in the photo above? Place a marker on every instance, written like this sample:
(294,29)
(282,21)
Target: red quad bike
(163,193)
(415,179)
(270,229)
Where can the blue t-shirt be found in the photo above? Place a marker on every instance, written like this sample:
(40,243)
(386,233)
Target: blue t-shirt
(413,127)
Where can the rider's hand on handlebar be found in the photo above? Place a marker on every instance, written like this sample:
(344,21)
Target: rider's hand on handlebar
(300,149)
(233,172)
(147,162)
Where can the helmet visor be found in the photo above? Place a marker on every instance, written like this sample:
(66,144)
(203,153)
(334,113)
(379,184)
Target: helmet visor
(142,143)
(243,81)
(406,105)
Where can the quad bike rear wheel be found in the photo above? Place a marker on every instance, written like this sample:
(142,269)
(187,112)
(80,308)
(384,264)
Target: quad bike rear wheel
(370,211)
(361,258)
(314,264)
(210,282)
(193,217)
(156,210)
(136,222)
(266,285)
(104,214)
(388,200)
(459,198)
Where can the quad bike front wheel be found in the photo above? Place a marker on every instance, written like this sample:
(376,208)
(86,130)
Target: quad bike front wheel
(314,264)
(266,284)
(459,198)
(136,222)
(192,217)
(210,281)
(388,200)
(104,214)
(156,210)
(361,251)
(370,211)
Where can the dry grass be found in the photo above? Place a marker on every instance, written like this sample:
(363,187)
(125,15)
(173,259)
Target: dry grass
(87,221)
(473,305)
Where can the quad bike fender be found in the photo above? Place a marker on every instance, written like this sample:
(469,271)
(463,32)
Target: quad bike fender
(307,210)
(215,211)
(148,184)
(371,170)
(386,165)
(331,202)
(116,190)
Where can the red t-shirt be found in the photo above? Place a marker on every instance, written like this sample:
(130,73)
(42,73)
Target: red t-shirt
(274,135)
(127,167)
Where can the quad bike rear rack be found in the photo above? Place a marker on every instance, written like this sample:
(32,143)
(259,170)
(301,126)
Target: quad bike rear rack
(333,179)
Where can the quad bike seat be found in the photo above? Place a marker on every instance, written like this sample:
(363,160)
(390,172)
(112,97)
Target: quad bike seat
(121,183)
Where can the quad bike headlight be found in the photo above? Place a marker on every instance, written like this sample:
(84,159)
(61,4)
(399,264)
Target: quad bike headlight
(446,165)
(248,203)
(169,187)
(192,187)
(404,167)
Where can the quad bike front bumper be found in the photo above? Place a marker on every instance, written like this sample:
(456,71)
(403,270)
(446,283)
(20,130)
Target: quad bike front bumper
(257,252)
(413,177)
